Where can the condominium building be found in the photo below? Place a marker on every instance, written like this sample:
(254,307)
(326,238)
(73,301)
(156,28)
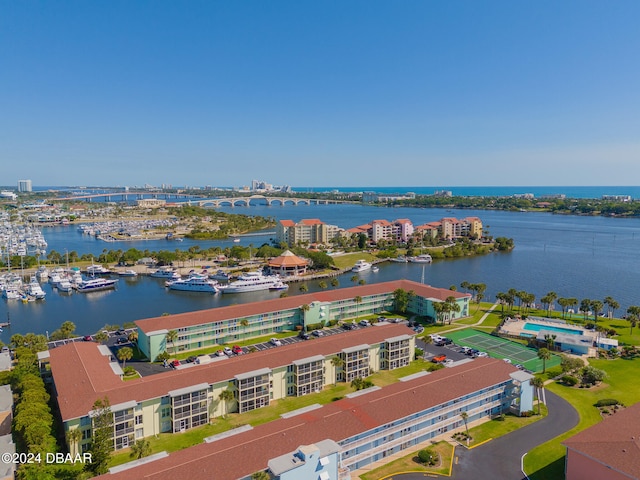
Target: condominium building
(452,228)
(24,186)
(229,324)
(330,442)
(178,400)
(306,231)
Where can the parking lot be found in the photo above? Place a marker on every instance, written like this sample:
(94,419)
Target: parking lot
(452,351)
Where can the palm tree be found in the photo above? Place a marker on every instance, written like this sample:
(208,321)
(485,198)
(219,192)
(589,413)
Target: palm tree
(564,303)
(124,354)
(501,297)
(452,307)
(538,384)
(573,302)
(101,337)
(465,285)
(358,300)
(335,282)
(304,288)
(141,448)
(548,300)
(322,284)
(596,306)
(355,278)
(262,475)
(73,437)
(465,417)
(225,397)
(633,313)
(244,323)
(172,336)
(304,309)
(133,337)
(544,354)
(585,306)
(612,306)
(337,362)
(440,308)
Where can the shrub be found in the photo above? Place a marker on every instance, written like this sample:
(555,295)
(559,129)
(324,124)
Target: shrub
(419,353)
(569,380)
(606,402)
(428,456)
(129,371)
(163,356)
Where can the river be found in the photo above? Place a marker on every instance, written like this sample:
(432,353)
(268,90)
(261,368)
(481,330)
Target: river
(582,257)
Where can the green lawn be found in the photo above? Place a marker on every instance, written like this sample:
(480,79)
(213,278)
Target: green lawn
(546,462)
(496,428)
(348,260)
(410,463)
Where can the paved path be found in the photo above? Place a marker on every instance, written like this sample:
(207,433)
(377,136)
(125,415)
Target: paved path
(500,459)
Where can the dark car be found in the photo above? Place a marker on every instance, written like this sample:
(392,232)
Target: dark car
(87,338)
(303,335)
(121,331)
(191,359)
(122,340)
(348,326)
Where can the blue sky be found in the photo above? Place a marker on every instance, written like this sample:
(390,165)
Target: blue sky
(330,93)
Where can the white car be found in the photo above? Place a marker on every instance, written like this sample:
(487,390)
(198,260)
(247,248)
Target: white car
(227,351)
(275,342)
(318,333)
(364,323)
(482,354)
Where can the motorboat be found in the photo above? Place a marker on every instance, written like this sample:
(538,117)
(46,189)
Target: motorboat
(165,272)
(361,266)
(95,285)
(35,290)
(422,258)
(97,270)
(42,273)
(195,283)
(375,269)
(399,259)
(280,285)
(128,273)
(251,282)
(220,276)
(65,286)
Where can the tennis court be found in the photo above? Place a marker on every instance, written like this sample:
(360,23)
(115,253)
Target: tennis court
(498,347)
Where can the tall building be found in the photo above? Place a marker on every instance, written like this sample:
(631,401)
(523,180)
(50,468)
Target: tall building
(24,185)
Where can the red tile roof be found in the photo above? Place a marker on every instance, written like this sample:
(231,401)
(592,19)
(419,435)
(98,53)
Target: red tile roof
(248,452)
(82,374)
(172,322)
(614,442)
(311,221)
(287,223)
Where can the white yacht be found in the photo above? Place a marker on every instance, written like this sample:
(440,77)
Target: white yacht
(361,266)
(422,258)
(95,285)
(65,286)
(165,272)
(251,282)
(195,283)
(35,290)
(128,273)
(97,270)
(221,276)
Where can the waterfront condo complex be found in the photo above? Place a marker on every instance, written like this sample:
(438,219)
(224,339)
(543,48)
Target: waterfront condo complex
(332,440)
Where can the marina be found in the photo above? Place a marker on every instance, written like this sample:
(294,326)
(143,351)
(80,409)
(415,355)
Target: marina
(585,257)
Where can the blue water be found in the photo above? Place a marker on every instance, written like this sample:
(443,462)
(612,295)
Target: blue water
(582,257)
(535,327)
(474,191)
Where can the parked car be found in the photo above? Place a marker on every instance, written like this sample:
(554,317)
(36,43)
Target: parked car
(175,363)
(303,335)
(347,326)
(519,366)
(419,329)
(237,350)
(364,323)
(87,338)
(275,342)
(122,340)
(220,353)
(121,331)
(439,358)
(227,351)
(448,362)
(482,354)
(318,333)
(191,359)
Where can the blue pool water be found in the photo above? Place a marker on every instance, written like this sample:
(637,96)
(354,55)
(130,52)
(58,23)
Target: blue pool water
(537,327)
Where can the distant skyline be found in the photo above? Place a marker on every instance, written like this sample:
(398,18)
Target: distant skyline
(307,93)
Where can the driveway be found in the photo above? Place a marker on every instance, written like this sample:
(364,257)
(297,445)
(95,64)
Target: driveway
(500,459)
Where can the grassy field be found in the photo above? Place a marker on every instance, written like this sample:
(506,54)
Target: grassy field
(410,463)
(348,260)
(546,462)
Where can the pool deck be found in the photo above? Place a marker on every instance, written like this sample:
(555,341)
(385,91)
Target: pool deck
(515,326)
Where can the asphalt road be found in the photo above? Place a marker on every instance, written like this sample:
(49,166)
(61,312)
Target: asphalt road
(500,459)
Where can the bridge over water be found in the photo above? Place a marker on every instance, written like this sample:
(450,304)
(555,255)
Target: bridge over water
(246,201)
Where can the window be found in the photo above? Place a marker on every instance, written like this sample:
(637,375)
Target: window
(138,419)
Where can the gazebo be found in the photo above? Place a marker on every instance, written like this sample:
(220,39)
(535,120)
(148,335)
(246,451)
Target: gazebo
(288,265)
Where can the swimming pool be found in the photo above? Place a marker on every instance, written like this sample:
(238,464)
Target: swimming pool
(536,327)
